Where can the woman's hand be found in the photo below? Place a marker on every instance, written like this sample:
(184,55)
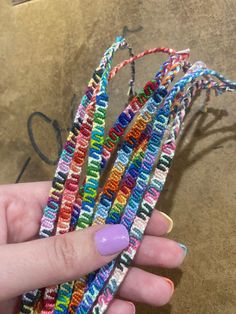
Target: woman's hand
(28,263)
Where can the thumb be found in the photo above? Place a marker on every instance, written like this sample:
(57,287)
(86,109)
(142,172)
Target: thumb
(45,262)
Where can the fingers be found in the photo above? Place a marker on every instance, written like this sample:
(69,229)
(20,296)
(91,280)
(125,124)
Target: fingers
(45,262)
(159,224)
(149,288)
(141,286)
(22,204)
(32,192)
(162,252)
(24,215)
(120,307)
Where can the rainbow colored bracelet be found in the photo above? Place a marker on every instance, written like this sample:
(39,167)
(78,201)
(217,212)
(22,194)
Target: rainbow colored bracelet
(130,190)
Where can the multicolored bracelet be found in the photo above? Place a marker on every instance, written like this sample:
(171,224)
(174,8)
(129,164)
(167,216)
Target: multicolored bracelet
(68,287)
(142,216)
(134,184)
(127,219)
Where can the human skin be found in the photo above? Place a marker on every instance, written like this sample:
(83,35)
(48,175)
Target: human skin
(28,262)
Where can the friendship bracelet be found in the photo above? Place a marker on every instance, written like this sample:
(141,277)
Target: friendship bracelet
(100,219)
(79,286)
(87,129)
(101,212)
(84,298)
(103,270)
(135,181)
(143,214)
(50,292)
(51,210)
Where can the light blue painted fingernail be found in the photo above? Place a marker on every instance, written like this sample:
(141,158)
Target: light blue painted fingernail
(184,248)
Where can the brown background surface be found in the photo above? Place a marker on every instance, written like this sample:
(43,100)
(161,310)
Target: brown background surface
(49,49)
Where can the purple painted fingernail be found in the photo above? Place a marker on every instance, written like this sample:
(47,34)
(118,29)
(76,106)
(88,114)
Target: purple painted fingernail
(111,239)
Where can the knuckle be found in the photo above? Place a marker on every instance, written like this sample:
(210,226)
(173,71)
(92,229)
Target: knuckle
(64,253)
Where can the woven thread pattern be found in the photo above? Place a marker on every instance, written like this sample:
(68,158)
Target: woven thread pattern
(143,156)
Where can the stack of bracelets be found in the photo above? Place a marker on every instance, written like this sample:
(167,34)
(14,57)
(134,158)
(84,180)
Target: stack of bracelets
(142,143)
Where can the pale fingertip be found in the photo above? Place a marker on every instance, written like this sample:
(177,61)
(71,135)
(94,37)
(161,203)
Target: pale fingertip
(120,307)
(161,252)
(148,288)
(159,224)
(168,220)
(184,248)
(171,285)
(167,291)
(132,308)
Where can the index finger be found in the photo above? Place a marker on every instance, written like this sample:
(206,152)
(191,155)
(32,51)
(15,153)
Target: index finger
(34,193)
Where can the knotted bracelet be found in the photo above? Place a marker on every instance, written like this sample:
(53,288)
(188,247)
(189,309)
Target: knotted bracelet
(142,140)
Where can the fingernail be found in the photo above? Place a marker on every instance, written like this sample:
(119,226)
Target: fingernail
(111,239)
(169,221)
(133,307)
(184,248)
(171,284)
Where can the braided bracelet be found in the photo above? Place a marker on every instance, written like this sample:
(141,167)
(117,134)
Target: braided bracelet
(82,305)
(50,293)
(150,198)
(131,190)
(64,297)
(53,204)
(101,211)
